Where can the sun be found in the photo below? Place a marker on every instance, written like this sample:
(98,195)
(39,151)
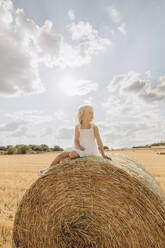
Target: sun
(68,85)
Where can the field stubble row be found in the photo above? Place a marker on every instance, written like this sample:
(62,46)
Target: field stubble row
(18,172)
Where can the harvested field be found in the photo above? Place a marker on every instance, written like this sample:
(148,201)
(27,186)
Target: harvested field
(18,172)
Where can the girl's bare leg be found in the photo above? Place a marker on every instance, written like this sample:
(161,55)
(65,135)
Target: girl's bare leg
(59,158)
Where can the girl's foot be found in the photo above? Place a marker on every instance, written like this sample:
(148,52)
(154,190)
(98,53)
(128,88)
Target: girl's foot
(43,171)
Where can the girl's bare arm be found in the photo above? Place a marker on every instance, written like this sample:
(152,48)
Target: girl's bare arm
(76,139)
(99,142)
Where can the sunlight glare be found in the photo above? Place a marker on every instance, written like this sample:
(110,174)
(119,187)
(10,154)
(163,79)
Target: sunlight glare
(67,85)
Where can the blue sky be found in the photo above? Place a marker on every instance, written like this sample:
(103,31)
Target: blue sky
(59,55)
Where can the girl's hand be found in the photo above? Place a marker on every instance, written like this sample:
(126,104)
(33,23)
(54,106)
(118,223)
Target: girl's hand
(82,148)
(105,156)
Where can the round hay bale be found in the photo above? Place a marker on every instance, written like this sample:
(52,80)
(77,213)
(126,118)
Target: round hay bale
(92,202)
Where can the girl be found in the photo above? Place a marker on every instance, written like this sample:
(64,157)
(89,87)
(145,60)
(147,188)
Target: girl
(86,136)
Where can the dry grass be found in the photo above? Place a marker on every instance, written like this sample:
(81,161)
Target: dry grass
(151,161)
(18,172)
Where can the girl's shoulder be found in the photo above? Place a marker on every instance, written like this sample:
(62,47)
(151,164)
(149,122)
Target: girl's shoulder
(95,128)
(94,125)
(77,126)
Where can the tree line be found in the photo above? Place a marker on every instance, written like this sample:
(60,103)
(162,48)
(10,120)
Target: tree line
(31,149)
(149,146)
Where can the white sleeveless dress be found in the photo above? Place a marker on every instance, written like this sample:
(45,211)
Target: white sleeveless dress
(88,141)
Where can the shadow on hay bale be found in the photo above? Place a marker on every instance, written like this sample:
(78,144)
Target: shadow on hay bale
(92,202)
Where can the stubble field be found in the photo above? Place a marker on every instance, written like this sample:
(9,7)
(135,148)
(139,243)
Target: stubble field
(18,172)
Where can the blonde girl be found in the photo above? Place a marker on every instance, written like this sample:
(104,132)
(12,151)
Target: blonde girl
(87,140)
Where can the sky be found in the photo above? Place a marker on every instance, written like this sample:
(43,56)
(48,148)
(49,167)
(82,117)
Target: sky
(57,55)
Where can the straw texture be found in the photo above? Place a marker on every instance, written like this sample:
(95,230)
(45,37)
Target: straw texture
(92,202)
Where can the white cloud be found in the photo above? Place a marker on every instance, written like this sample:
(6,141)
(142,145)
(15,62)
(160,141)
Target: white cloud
(80,87)
(111,102)
(6,8)
(90,41)
(24,45)
(126,123)
(116,18)
(71,14)
(114,14)
(28,26)
(18,66)
(65,133)
(29,124)
(44,43)
(47,132)
(82,31)
(12,126)
(122,28)
(132,83)
(35,117)
(148,74)
(48,45)
(71,56)
(84,87)
(160,87)
(22,132)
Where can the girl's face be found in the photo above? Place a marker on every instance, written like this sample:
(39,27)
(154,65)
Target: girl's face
(88,114)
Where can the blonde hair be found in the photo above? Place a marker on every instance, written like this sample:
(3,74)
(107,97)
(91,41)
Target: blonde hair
(81,112)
